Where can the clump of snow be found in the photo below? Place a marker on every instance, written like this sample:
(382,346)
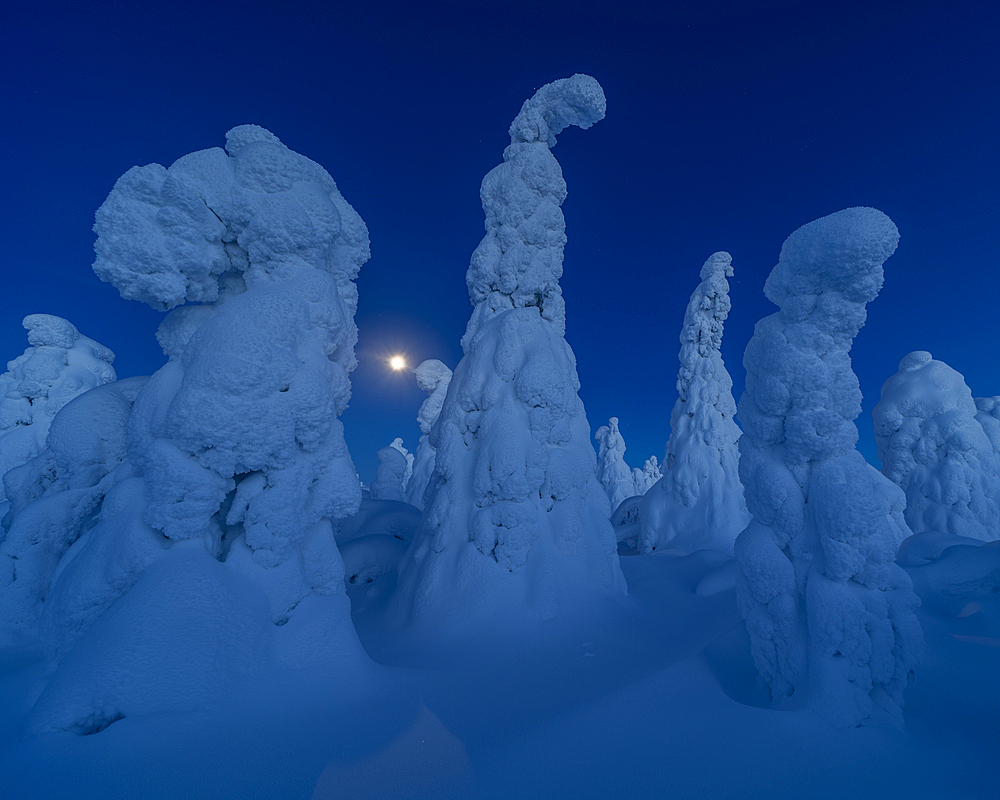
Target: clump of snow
(59,364)
(390,477)
(932,443)
(612,471)
(830,615)
(519,262)
(515,519)
(698,503)
(433,377)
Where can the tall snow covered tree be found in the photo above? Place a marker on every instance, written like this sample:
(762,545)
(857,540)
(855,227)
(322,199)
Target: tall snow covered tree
(232,452)
(830,615)
(433,377)
(932,444)
(515,519)
(612,471)
(698,503)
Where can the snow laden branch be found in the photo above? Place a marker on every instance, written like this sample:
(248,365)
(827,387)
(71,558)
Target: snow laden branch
(698,503)
(515,520)
(830,615)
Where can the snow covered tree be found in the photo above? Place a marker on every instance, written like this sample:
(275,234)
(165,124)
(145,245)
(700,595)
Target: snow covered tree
(988,414)
(612,471)
(698,503)
(515,519)
(647,476)
(58,365)
(390,477)
(830,615)
(932,445)
(433,377)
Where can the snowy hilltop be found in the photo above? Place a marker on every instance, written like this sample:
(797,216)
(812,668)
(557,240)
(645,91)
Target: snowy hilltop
(933,445)
(515,519)
(699,500)
(830,615)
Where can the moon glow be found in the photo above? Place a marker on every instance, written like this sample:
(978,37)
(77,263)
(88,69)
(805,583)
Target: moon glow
(397,363)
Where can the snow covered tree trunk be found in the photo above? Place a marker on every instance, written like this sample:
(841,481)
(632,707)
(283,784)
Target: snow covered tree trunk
(612,471)
(933,446)
(433,377)
(830,615)
(515,519)
(698,503)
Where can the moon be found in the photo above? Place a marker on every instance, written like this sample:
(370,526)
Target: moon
(397,363)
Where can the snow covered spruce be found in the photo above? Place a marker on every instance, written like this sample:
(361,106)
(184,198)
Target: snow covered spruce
(613,473)
(515,518)
(698,503)
(231,469)
(830,615)
(932,444)
(433,377)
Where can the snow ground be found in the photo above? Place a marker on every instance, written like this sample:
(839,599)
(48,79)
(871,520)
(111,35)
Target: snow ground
(654,696)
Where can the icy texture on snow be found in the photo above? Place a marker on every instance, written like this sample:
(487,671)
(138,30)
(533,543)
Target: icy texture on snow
(515,518)
(931,442)
(390,475)
(612,471)
(433,377)
(519,262)
(59,365)
(830,615)
(57,496)
(698,503)
(647,476)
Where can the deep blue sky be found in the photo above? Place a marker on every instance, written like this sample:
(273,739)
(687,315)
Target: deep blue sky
(729,125)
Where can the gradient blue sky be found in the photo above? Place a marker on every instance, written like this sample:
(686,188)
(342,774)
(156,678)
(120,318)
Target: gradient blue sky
(729,125)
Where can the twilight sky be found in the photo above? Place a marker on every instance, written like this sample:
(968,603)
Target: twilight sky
(729,125)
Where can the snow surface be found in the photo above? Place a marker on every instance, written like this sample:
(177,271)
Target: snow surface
(699,500)
(932,443)
(830,615)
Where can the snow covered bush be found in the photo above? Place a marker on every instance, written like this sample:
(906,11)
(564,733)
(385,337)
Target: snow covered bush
(932,444)
(515,519)
(612,471)
(698,503)
(433,377)
(58,365)
(830,615)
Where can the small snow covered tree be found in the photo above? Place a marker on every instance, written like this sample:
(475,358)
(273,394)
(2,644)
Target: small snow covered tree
(390,477)
(932,445)
(698,503)
(830,615)
(646,477)
(515,519)
(433,377)
(58,365)
(612,471)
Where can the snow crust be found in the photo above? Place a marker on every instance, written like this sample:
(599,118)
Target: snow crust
(612,471)
(433,377)
(932,443)
(515,520)
(830,615)
(58,365)
(698,503)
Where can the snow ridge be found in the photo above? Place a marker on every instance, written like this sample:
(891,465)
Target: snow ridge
(830,615)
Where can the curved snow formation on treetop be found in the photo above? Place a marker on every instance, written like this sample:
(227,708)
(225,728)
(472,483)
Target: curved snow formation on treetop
(932,444)
(59,364)
(698,503)
(515,519)
(830,615)
(519,261)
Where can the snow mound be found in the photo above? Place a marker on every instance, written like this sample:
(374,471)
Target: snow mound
(698,503)
(932,443)
(830,615)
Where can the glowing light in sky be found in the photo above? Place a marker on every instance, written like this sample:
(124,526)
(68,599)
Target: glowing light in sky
(397,363)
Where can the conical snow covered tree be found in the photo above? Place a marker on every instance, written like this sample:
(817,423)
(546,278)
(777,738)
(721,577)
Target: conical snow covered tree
(932,445)
(515,519)
(58,365)
(433,377)
(698,503)
(612,471)
(830,615)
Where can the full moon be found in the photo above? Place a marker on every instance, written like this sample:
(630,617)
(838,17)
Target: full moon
(397,363)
